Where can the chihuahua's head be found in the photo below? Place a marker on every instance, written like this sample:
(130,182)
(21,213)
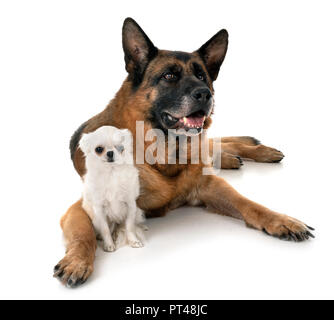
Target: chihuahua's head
(108,145)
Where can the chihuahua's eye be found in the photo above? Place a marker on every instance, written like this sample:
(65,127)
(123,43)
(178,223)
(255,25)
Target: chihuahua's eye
(99,150)
(170,76)
(200,76)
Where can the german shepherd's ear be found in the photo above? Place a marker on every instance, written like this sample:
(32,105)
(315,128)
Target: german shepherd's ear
(213,52)
(138,50)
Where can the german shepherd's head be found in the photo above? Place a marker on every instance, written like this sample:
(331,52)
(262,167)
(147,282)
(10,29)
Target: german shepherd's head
(178,85)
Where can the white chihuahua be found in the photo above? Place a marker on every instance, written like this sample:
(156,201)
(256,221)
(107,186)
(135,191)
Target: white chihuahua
(111,186)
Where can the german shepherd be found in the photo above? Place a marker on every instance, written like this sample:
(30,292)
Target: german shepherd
(168,90)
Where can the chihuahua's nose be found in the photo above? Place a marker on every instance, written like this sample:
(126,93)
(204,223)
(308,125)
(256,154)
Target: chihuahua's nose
(110,155)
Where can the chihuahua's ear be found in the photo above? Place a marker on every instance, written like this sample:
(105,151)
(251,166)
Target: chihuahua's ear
(125,137)
(213,53)
(84,143)
(126,133)
(138,50)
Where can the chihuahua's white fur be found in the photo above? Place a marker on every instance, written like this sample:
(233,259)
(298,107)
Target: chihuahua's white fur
(111,188)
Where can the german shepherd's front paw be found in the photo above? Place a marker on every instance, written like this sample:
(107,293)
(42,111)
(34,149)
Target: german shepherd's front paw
(229,161)
(287,228)
(73,270)
(266,154)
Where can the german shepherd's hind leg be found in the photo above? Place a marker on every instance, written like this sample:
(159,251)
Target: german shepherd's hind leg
(251,148)
(77,265)
(221,198)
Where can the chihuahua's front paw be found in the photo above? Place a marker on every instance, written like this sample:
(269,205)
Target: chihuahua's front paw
(136,244)
(109,247)
(144,227)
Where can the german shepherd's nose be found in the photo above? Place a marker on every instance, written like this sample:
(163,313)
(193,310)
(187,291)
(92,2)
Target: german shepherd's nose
(201,95)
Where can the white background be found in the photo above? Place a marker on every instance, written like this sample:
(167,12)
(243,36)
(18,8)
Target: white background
(61,62)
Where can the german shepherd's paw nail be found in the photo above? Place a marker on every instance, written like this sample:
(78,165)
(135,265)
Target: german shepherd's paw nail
(240,161)
(287,228)
(266,232)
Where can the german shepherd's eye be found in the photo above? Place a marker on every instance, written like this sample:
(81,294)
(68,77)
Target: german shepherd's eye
(170,76)
(200,76)
(99,150)
(198,72)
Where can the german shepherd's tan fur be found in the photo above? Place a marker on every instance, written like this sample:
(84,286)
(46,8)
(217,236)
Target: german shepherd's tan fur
(168,186)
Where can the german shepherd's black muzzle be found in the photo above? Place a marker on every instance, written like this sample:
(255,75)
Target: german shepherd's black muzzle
(185,107)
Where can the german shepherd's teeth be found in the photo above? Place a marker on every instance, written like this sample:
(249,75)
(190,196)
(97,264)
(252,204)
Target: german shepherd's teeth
(170,117)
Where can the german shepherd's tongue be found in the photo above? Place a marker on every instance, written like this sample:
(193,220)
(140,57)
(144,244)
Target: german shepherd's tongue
(193,121)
